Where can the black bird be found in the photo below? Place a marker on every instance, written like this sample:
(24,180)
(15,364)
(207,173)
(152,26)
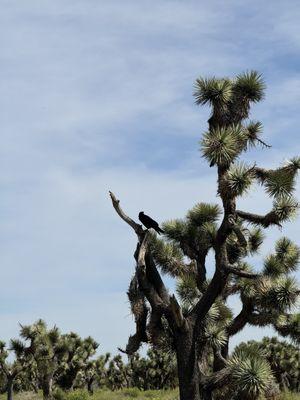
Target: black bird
(149,222)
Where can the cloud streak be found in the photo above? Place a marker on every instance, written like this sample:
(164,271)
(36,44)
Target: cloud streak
(98,96)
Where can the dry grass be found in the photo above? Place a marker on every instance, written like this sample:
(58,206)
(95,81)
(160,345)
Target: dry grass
(108,395)
(130,394)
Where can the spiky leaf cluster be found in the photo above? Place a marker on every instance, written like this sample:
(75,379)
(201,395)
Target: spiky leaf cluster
(77,353)
(285,259)
(253,132)
(243,242)
(283,358)
(255,240)
(289,325)
(279,183)
(222,145)
(285,209)
(251,375)
(213,91)
(167,255)
(188,292)
(197,230)
(215,337)
(250,85)
(203,213)
(239,179)
(280,293)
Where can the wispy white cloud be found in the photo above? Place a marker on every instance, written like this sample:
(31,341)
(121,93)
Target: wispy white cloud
(96,97)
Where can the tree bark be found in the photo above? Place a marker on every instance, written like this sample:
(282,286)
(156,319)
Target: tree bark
(206,394)
(187,365)
(10,387)
(90,386)
(47,388)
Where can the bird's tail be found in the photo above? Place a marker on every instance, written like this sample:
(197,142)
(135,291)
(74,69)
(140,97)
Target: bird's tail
(159,230)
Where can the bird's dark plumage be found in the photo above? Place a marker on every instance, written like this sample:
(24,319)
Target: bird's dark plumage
(149,222)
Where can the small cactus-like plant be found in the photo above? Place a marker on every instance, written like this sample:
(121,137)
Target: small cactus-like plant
(283,358)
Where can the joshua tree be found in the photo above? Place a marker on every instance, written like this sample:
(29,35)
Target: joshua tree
(48,350)
(200,326)
(156,371)
(78,352)
(283,357)
(93,373)
(118,374)
(12,370)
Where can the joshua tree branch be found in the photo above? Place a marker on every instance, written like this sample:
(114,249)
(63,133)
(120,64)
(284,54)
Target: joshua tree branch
(4,369)
(136,227)
(265,220)
(177,312)
(239,272)
(240,236)
(263,143)
(214,289)
(148,277)
(217,379)
(239,322)
(140,312)
(146,286)
(219,280)
(201,269)
(261,319)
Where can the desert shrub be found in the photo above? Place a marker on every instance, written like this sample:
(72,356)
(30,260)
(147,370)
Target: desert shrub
(78,395)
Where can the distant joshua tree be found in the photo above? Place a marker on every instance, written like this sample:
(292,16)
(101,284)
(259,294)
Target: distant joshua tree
(47,350)
(198,327)
(12,370)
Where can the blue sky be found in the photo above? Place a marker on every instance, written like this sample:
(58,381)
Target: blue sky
(97,96)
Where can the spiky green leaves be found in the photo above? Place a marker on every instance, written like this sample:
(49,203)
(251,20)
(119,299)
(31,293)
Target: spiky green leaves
(213,91)
(222,146)
(279,183)
(279,293)
(285,259)
(250,85)
(203,212)
(215,336)
(239,179)
(188,292)
(294,164)
(230,101)
(255,240)
(283,357)
(3,352)
(253,131)
(168,256)
(289,325)
(251,375)
(285,208)
(18,347)
(196,233)
(175,229)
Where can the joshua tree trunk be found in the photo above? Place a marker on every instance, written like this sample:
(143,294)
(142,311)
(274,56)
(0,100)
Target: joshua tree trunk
(90,385)
(10,387)
(47,388)
(187,365)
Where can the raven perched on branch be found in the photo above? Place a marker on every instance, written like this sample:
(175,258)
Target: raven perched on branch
(149,222)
